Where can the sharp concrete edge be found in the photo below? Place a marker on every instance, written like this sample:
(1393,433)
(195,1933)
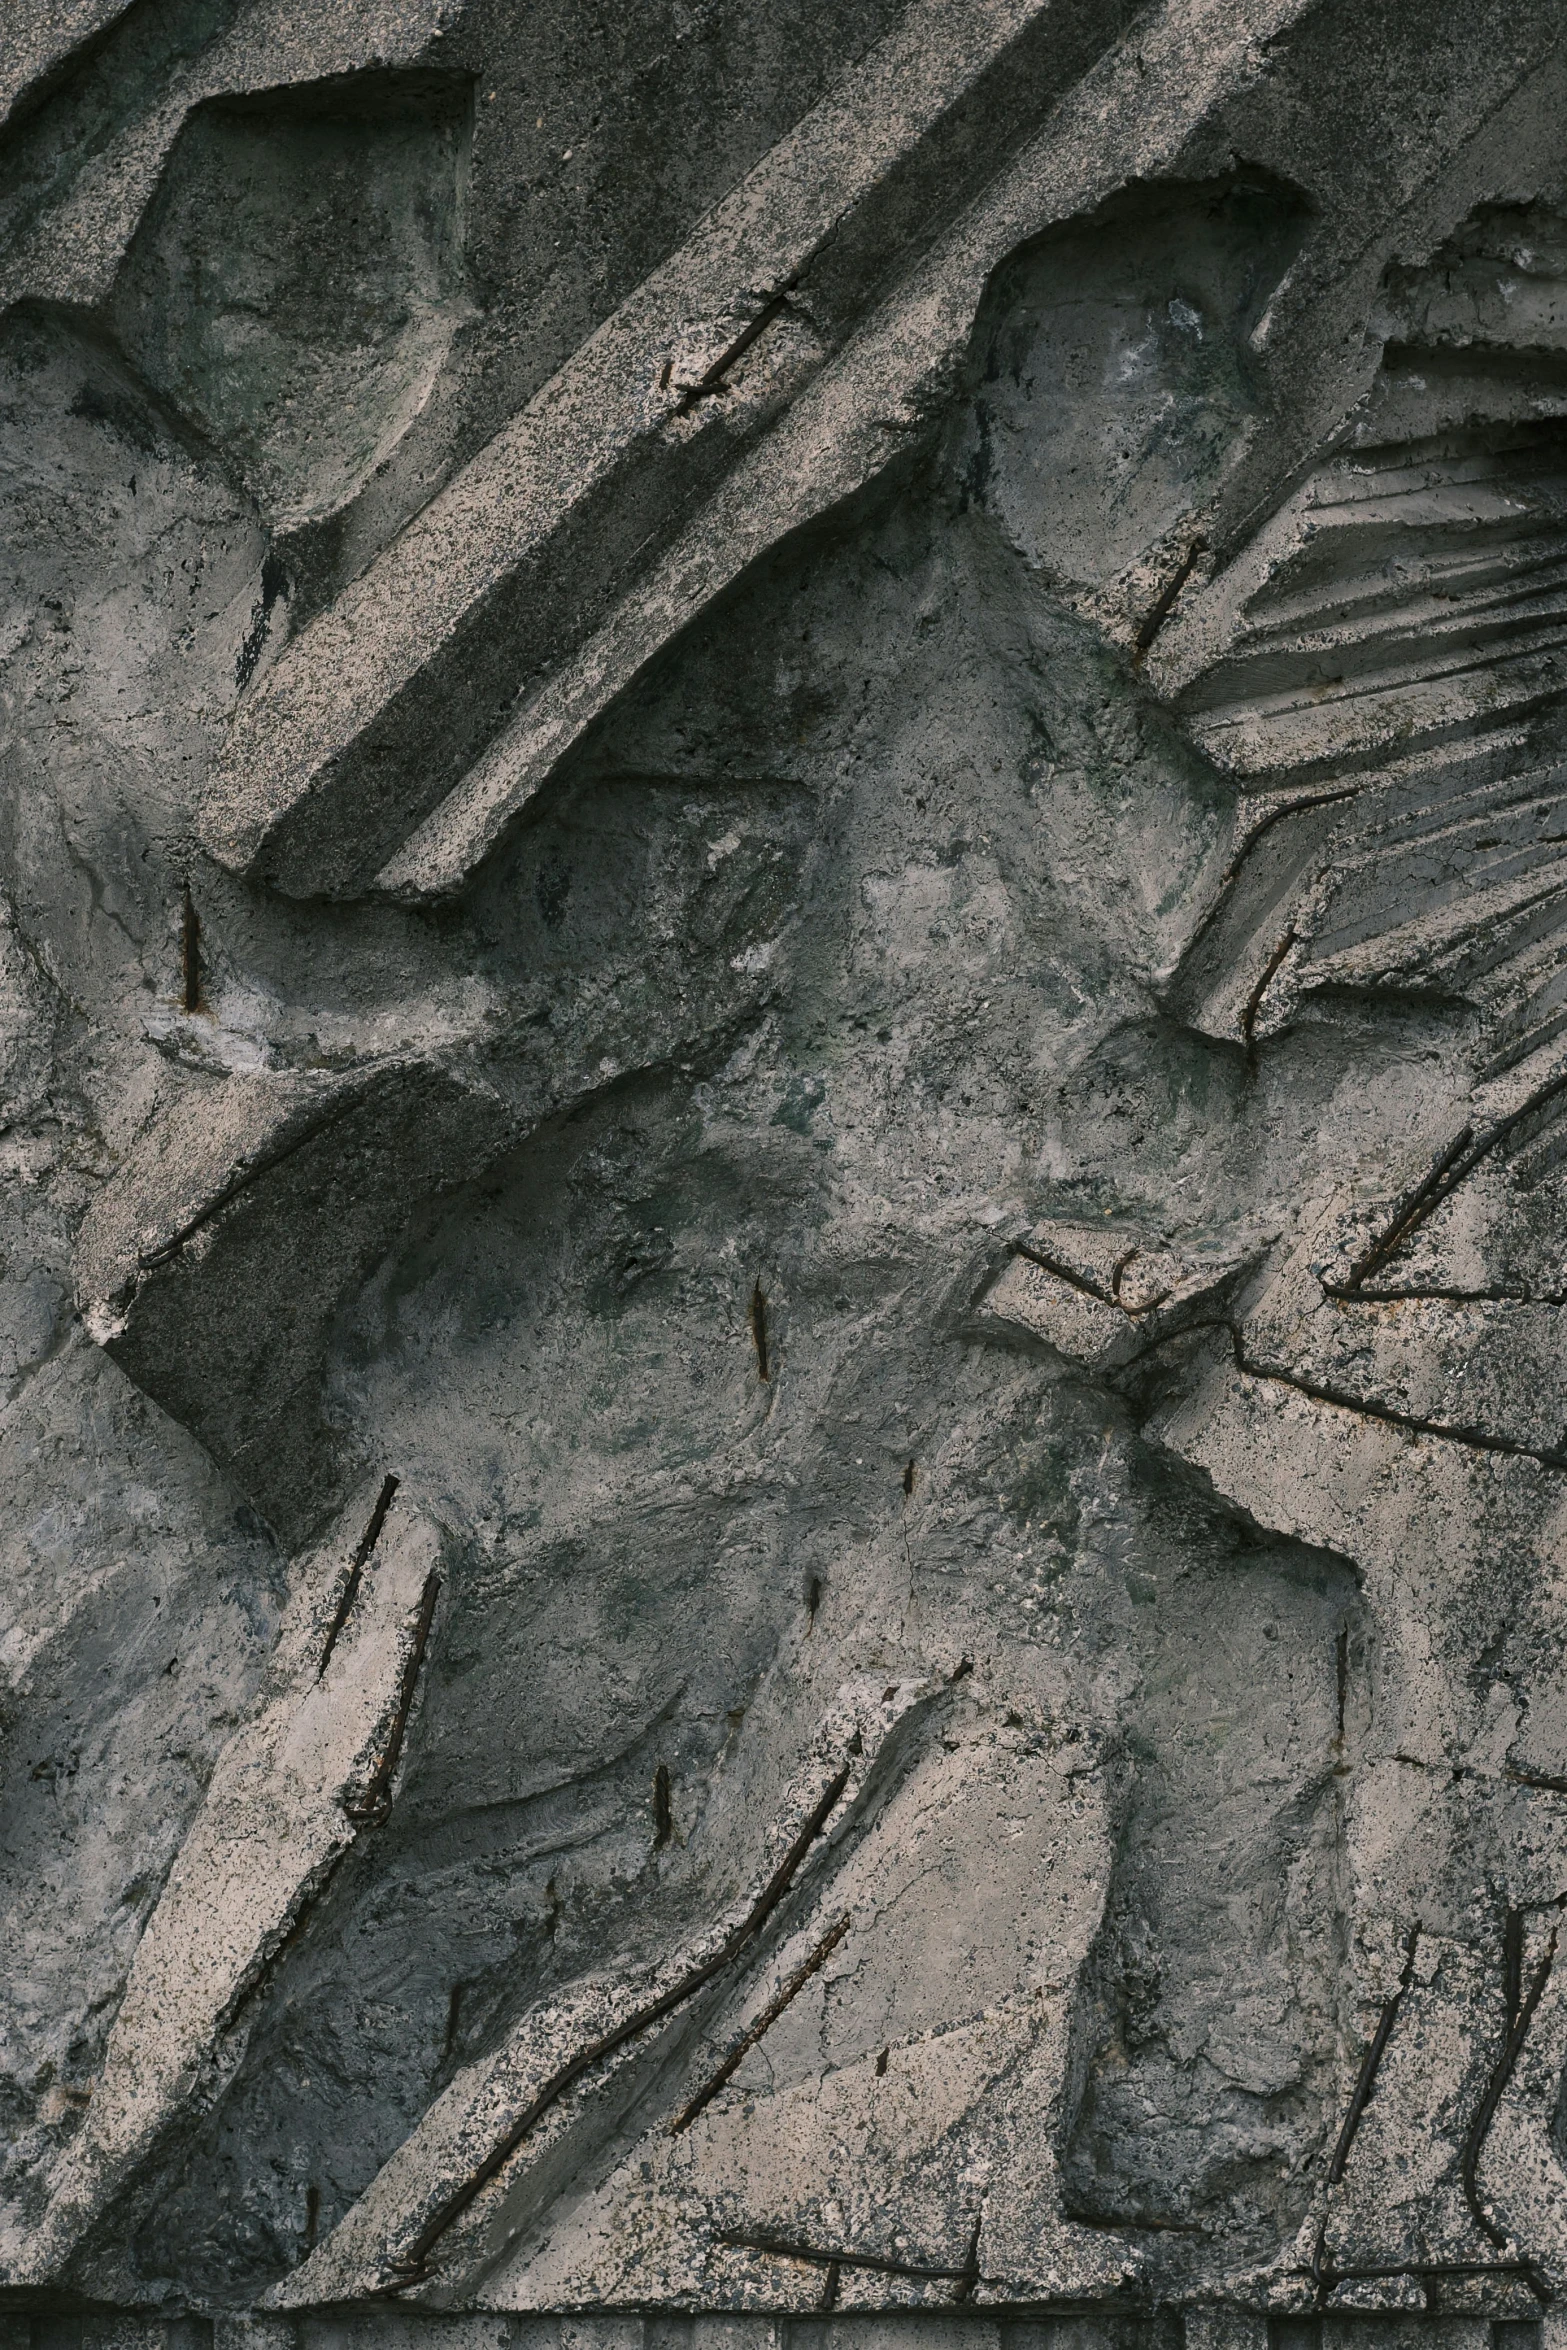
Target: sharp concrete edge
(306,788)
(284,1804)
(426,2192)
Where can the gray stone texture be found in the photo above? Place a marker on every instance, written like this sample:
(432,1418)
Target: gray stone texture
(783,1058)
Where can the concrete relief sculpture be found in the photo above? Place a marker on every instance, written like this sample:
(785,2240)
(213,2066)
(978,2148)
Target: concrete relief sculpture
(785,1071)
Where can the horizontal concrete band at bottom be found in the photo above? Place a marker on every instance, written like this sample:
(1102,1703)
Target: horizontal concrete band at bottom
(1191,2329)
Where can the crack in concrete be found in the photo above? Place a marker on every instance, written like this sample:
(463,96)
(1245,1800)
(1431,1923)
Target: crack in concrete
(763,2024)
(1370,2063)
(411,2269)
(1360,2098)
(149,1259)
(1475,1439)
(1317,1391)
(1091,1288)
(374,1804)
(1165,602)
(1541,1780)
(1502,2072)
(1438,1296)
(1237,864)
(835,2257)
(1254,1000)
(1452,1167)
(1427,2270)
(367,1542)
(713,379)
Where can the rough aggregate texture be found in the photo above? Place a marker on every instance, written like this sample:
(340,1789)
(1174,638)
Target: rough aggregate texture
(783,1047)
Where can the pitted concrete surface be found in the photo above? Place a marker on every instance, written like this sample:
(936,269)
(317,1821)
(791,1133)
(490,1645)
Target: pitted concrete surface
(783,1047)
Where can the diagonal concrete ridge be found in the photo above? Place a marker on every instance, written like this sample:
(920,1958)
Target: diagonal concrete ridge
(767,372)
(390,696)
(245,1213)
(284,1806)
(499,2141)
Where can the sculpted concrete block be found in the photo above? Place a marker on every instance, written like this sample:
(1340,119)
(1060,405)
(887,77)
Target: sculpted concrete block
(783,1047)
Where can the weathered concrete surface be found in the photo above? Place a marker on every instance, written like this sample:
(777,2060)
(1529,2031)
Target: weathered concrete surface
(783,1039)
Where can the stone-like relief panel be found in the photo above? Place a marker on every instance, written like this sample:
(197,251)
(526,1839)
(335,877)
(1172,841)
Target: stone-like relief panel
(783,1025)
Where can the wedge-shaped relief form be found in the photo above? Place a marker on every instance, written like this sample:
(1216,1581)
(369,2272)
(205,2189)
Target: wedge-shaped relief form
(643,922)
(898,2138)
(312,1770)
(295,285)
(893,2141)
(212,1264)
(770,369)
(1101,1297)
(1380,672)
(513,2129)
